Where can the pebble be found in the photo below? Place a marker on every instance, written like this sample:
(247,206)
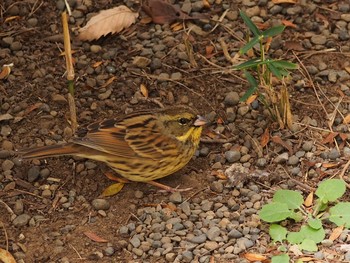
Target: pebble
(7,165)
(175,198)
(100,204)
(231,98)
(21,220)
(333,154)
(282,158)
(33,173)
(213,233)
(318,39)
(232,156)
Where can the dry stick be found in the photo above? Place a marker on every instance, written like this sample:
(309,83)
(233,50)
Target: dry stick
(76,251)
(7,207)
(70,72)
(6,236)
(341,175)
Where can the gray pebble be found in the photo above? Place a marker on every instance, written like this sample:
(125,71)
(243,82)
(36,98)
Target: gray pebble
(187,256)
(18,208)
(7,165)
(234,233)
(319,39)
(95,48)
(327,242)
(198,239)
(138,252)
(217,187)
(33,173)
(295,170)
(138,194)
(32,22)
(185,207)
(175,197)
(213,233)
(21,220)
(307,146)
(261,162)
(100,204)
(16,46)
(293,160)
(333,154)
(207,205)
(243,110)
(231,98)
(135,242)
(109,251)
(282,158)
(232,156)
(170,257)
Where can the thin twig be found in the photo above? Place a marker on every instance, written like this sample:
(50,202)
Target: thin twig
(6,236)
(342,173)
(76,251)
(7,208)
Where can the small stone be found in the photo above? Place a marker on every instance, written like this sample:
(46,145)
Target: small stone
(307,146)
(318,39)
(32,22)
(333,154)
(261,162)
(135,242)
(138,194)
(58,98)
(170,257)
(7,165)
(293,160)
(105,95)
(243,110)
(282,158)
(33,173)
(232,156)
(46,193)
(141,62)
(176,76)
(211,245)
(19,207)
(231,98)
(21,220)
(109,251)
(100,204)
(185,207)
(175,197)
(213,233)
(217,187)
(234,233)
(198,239)
(187,256)
(16,46)
(123,230)
(95,48)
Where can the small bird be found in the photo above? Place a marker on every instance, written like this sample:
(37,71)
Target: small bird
(142,146)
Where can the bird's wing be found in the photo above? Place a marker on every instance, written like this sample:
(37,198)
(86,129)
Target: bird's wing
(129,138)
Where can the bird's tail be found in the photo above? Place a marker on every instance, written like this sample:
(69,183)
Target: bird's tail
(49,151)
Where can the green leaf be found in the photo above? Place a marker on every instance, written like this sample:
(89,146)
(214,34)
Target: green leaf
(297,217)
(275,71)
(330,190)
(316,235)
(285,64)
(252,63)
(250,24)
(253,86)
(340,214)
(277,233)
(295,237)
(315,223)
(292,198)
(273,31)
(274,212)
(249,45)
(308,245)
(284,258)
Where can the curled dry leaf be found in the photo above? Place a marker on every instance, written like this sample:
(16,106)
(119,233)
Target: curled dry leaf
(93,236)
(6,256)
(108,21)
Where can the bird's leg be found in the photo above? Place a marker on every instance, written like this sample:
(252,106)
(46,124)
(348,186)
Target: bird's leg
(112,177)
(167,188)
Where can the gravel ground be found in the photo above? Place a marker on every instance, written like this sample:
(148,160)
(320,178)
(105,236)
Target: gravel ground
(48,206)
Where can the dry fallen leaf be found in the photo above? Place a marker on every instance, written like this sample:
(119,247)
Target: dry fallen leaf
(108,21)
(144,90)
(309,199)
(6,257)
(277,139)
(336,233)
(254,257)
(346,119)
(265,138)
(112,189)
(95,237)
(6,70)
(288,23)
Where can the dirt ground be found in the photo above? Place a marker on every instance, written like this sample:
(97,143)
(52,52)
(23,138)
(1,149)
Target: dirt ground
(34,95)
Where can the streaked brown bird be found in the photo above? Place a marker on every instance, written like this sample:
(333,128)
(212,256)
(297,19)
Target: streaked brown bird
(142,146)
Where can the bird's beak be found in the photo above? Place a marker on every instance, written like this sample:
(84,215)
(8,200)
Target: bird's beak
(200,121)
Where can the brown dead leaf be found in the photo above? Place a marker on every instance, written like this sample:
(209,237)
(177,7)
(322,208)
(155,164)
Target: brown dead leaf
(346,119)
(108,21)
(97,64)
(347,69)
(5,72)
(9,186)
(109,81)
(294,45)
(112,189)
(306,259)
(330,138)
(265,138)
(278,140)
(176,27)
(6,256)
(209,51)
(8,19)
(32,107)
(330,165)
(336,233)
(309,199)
(94,237)
(144,90)
(288,23)
(251,99)
(163,12)
(254,257)
(284,1)
(146,20)
(219,174)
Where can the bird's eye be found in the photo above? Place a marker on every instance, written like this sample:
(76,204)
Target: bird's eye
(184,121)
